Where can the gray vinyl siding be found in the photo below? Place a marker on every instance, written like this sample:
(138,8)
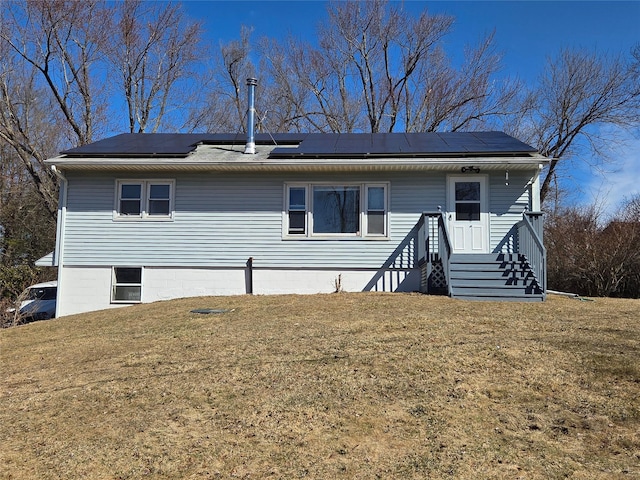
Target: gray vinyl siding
(221,220)
(506,206)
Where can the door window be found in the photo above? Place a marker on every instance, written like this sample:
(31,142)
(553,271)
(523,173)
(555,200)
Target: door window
(467,198)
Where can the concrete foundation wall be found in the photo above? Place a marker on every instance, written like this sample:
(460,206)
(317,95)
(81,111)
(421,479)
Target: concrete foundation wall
(85,289)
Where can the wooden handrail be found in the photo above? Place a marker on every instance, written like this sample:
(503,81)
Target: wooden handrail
(530,244)
(434,243)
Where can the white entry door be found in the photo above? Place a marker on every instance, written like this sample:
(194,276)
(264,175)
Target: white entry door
(468,213)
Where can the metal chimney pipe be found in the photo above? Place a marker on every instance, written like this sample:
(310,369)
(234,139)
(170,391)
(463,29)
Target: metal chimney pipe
(250,147)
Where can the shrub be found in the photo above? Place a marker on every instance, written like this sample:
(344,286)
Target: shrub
(587,258)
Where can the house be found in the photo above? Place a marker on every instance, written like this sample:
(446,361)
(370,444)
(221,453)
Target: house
(146,217)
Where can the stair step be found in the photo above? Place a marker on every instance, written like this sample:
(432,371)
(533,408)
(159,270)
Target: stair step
(502,275)
(497,289)
(493,284)
(495,293)
(487,267)
(481,298)
(494,276)
(487,257)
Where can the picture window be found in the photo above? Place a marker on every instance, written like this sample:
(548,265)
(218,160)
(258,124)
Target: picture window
(336,210)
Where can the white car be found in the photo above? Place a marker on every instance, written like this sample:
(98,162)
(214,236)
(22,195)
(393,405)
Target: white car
(39,302)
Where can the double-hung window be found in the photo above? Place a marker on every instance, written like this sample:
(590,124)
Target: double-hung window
(126,285)
(376,211)
(297,210)
(130,202)
(336,210)
(144,199)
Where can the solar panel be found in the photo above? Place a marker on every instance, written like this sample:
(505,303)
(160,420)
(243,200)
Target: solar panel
(317,144)
(501,142)
(129,144)
(174,144)
(463,142)
(389,143)
(312,144)
(404,144)
(353,144)
(428,143)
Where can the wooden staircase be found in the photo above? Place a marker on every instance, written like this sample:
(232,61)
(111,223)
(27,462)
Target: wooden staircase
(519,276)
(493,276)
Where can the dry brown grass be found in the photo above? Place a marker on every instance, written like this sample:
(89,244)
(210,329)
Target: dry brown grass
(329,386)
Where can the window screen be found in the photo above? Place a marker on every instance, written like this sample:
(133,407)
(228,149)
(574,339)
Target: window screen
(130,199)
(297,210)
(375,211)
(159,199)
(127,284)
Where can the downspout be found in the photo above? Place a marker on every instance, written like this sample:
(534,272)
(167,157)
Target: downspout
(251,115)
(60,231)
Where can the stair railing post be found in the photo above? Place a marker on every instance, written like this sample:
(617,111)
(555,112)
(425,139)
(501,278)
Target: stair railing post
(444,249)
(530,244)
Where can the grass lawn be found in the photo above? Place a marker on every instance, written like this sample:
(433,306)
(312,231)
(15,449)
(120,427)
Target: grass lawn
(327,386)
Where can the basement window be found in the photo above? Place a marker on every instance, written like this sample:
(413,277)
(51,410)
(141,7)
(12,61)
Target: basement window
(144,199)
(126,285)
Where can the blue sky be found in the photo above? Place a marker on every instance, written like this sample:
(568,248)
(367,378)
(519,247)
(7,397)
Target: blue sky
(526,32)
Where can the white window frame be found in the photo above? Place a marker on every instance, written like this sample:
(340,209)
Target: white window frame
(366,210)
(364,202)
(288,210)
(145,192)
(114,284)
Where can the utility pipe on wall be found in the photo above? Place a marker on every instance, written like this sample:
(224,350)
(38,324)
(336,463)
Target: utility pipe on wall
(249,276)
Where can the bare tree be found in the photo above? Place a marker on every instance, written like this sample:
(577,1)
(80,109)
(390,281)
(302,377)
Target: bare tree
(377,68)
(59,40)
(237,67)
(309,88)
(578,94)
(382,49)
(283,99)
(446,98)
(55,87)
(152,48)
(23,126)
(46,90)
(27,230)
(223,106)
